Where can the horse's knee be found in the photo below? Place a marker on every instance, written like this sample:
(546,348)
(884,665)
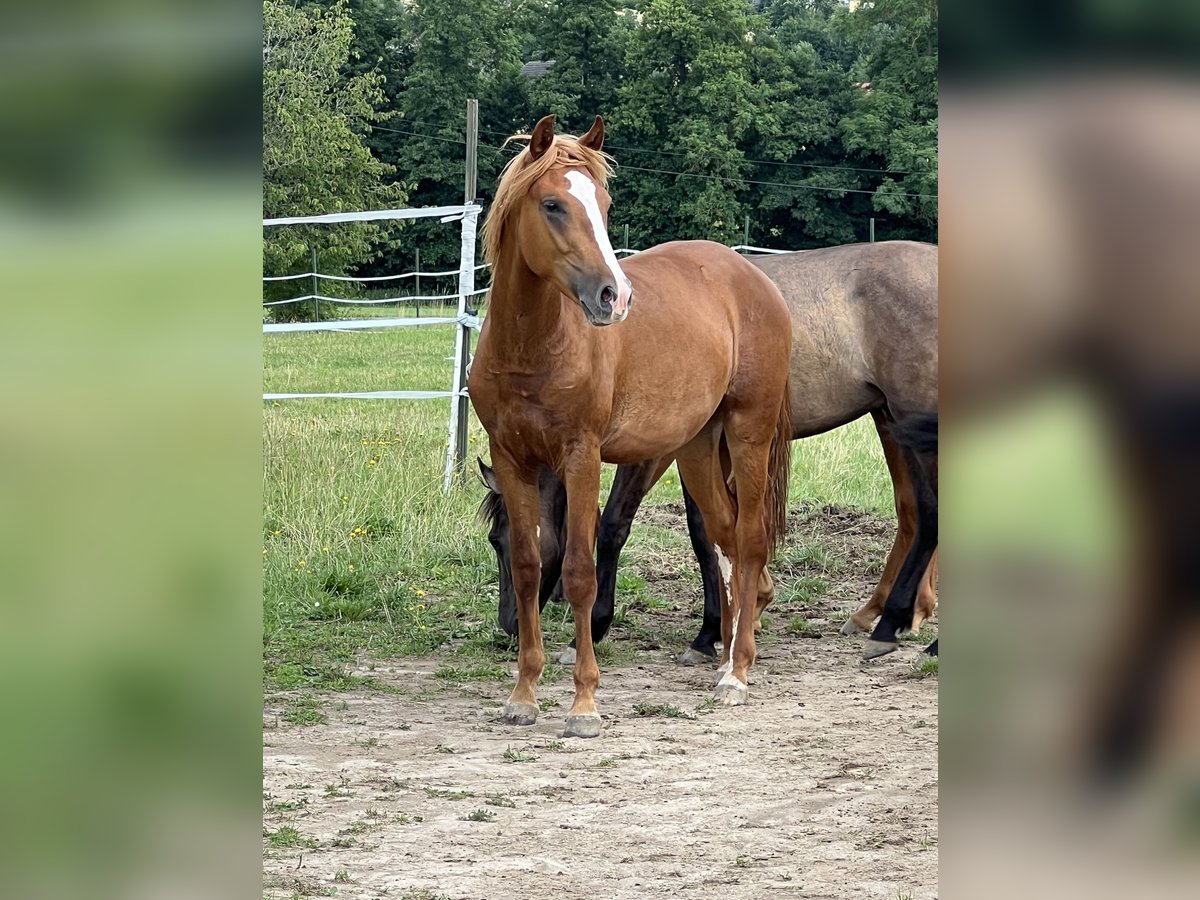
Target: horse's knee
(579,580)
(526,576)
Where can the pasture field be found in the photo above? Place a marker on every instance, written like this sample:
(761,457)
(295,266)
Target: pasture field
(386,773)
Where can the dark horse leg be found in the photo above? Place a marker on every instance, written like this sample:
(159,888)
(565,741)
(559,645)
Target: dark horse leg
(704,647)
(906,524)
(918,440)
(630,487)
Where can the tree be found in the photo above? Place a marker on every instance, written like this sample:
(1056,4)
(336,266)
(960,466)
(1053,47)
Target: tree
(586,39)
(459,50)
(690,97)
(895,120)
(314,156)
(803,198)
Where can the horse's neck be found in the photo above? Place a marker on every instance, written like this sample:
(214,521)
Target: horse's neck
(526,320)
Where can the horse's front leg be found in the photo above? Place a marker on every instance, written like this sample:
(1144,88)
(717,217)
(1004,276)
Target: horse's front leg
(704,646)
(520,493)
(582,479)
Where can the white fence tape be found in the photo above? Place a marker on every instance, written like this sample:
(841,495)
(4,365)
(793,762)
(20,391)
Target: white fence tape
(469,216)
(365,395)
(750,249)
(366,278)
(473,322)
(446,299)
(446,213)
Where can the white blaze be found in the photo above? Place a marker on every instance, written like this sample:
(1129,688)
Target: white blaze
(583,189)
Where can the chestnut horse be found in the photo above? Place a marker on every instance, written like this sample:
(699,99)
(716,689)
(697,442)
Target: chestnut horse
(864,339)
(701,364)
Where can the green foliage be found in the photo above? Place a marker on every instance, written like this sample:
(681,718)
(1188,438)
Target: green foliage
(314,156)
(895,120)
(803,117)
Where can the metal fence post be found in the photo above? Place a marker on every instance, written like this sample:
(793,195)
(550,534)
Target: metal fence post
(456,453)
(316,302)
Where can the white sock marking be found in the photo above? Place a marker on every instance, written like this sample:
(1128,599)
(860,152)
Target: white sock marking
(726,568)
(583,189)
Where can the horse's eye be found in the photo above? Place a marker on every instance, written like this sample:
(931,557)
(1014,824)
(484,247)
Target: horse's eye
(550,205)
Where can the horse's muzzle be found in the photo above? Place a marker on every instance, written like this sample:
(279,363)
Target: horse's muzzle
(604,303)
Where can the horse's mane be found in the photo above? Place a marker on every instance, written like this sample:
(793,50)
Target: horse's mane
(490,508)
(522,171)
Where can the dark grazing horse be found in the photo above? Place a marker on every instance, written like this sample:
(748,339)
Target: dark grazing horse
(568,374)
(864,335)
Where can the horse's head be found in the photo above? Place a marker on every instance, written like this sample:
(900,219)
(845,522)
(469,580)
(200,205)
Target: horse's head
(551,537)
(556,209)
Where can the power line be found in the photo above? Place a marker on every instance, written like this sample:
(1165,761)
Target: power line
(786,184)
(725,178)
(764,162)
(757,162)
(735,180)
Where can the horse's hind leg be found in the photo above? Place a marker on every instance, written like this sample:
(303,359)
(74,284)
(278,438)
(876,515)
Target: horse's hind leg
(749,432)
(704,646)
(899,609)
(906,526)
(926,595)
(700,469)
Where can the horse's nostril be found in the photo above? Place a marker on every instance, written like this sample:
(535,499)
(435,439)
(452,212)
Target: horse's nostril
(608,295)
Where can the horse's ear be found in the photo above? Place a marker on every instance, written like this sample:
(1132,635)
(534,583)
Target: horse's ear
(542,137)
(594,139)
(488,476)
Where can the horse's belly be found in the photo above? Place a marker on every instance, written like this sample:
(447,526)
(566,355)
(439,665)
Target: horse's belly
(641,431)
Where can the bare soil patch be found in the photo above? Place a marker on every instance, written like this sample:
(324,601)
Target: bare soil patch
(824,786)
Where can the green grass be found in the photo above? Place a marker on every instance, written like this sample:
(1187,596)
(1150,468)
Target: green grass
(479,815)
(663,710)
(799,625)
(287,836)
(925,667)
(443,794)
(516,756)
(304,710)
(364,558)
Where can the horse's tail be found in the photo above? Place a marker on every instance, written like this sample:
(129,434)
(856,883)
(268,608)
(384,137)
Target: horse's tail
(779,467)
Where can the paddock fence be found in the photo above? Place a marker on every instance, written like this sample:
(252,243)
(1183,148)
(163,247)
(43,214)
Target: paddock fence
(465,320)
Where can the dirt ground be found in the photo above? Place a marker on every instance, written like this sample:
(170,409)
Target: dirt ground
(824,786)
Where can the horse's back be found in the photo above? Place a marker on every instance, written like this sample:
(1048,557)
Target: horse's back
(703,276)
(864,328)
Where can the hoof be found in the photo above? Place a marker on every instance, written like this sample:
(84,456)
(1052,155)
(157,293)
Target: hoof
(731,692)
(874,649)
(721,672)
(520,713)
(693,657)
(582,726)
(851,627)
(567,657)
